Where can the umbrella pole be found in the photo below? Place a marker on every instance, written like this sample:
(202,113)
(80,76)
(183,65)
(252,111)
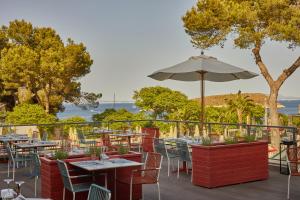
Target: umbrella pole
(202,104)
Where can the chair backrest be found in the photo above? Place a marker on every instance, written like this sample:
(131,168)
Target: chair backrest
(153,161)
(63,169)
(9,153)
(36,164)
(293,156)
(45,136)
(97,192)
(183,150)
(80,136)
(160,146)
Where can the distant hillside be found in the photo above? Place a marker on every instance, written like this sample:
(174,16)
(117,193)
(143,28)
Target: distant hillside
(219,100)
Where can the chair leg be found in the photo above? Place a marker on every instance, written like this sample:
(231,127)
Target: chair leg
(14,166)
(192,174)
(35,180)
(74,195)
(178,169)
(168,167)
(64,193)
(158,189)
(187,167)
(288,192)
(130,195)
(8,166)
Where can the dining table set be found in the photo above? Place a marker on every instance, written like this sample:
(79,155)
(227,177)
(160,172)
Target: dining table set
(119,136)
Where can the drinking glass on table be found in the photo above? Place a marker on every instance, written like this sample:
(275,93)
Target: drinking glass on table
(9,191)
(103,157)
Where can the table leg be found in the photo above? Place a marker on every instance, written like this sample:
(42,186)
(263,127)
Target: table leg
(115,196)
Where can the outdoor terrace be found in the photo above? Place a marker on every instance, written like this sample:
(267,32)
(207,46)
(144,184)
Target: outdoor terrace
(274,188)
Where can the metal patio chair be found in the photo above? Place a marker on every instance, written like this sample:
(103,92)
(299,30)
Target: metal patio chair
(160,147)
(293,160)
(148,175)
(36,169)
(14,159)
(97,192)
(184,155)
(74,188)
(83,140)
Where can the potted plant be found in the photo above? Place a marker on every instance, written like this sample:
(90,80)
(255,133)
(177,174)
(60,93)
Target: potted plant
(152,132)
(94,152)
(231,162)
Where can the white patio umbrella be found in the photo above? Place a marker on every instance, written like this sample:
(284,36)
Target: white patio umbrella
(201,68)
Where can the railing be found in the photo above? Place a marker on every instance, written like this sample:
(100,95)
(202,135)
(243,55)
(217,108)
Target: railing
(187,128)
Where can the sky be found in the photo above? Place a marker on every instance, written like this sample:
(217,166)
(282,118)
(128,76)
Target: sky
(130,39)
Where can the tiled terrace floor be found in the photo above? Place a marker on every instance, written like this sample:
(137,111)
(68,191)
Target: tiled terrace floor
(181,189)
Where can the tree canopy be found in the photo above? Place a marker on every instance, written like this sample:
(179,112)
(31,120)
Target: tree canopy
(250,23)
(36,58)
(160,101)
(29,114)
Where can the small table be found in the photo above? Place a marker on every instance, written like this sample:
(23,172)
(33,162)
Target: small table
(129,135)
(35,145)
(96,165)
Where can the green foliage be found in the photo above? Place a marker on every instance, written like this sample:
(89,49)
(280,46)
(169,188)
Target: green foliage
(284,119)
(29,114)
(206,141)
(75,119)
(123,150)
(241,105)
(119,115)
(210,22)
(60,155)
(160,101)
(101,116)
(249,138)
(231,140)
(296,121)
(37,59)
(95,151)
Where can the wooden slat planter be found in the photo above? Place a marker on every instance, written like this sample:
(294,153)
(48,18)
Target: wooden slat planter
(147,144)
(52,186)
(220,165)
(123,189)
(51,181)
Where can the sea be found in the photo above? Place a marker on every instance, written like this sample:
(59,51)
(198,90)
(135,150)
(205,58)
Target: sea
(71,110)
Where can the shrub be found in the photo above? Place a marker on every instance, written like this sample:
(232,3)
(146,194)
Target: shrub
(60,155)
(29,114)
(206,141)
(231,140)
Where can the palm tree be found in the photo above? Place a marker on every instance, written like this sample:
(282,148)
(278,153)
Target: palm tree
(241,105)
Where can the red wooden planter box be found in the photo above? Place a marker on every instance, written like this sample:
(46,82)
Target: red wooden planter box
(221,165)
(52,186)
(147,144)
(123,190)
(51,181)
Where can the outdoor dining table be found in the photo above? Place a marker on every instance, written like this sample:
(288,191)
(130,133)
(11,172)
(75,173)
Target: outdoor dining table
(129,135)
(35,145)
(12,139)
(97,165)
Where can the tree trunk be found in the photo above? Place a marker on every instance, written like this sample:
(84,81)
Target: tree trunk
(274,88)
(47,103)
(274,119)
(248,119)
(240,117)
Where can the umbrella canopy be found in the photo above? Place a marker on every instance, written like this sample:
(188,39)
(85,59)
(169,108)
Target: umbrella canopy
(214,70)
(202,68)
